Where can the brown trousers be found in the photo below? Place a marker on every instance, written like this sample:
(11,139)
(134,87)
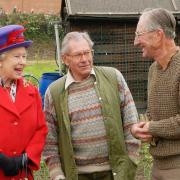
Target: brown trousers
(165,174)
(105,175)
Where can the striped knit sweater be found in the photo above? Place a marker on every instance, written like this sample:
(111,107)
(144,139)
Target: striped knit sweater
(164,112)
(88,131)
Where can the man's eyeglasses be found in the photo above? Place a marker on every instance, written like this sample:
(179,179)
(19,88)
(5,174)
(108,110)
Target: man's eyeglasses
(138,34)
(79,55)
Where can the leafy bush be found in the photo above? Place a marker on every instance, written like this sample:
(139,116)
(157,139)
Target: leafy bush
(39,26)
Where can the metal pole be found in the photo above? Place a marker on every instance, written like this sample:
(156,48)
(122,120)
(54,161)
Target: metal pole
(56,27)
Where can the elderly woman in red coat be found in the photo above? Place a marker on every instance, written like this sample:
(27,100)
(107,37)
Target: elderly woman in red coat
(22,125)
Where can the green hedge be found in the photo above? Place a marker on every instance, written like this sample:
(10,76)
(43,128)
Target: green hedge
(39,26)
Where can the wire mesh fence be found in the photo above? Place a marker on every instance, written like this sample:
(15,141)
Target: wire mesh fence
(114,47)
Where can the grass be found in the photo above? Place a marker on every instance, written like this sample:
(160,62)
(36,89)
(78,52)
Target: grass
(144,167)
(37,68)
(34,70)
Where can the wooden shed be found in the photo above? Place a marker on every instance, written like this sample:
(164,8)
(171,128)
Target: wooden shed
(111,25)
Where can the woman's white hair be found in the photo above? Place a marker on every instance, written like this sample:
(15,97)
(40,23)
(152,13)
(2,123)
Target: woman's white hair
(2,56)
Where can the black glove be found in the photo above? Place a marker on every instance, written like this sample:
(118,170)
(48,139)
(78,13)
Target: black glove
(10,165)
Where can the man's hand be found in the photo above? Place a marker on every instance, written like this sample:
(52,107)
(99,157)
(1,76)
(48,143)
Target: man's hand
(141,131)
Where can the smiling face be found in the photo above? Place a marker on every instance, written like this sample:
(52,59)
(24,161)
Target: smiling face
(12,64)
(79,59)
(146,39)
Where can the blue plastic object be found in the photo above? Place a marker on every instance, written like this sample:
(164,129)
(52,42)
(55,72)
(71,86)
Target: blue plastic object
(46,79)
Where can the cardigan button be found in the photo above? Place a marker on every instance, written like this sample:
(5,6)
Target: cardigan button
(14,152)
(114,174)
(15,123)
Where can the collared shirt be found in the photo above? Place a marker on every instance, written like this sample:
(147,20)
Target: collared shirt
(70,79)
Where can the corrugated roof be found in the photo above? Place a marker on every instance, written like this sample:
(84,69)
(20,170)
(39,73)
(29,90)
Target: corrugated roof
(117,7)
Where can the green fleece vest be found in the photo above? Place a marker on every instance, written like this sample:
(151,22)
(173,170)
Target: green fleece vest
(106,88)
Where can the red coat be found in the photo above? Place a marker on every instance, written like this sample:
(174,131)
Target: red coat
(22,126)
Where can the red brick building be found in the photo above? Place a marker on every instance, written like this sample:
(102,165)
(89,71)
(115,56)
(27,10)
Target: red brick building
(27,6)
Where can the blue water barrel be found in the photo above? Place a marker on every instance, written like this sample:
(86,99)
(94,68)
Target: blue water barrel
(46,79)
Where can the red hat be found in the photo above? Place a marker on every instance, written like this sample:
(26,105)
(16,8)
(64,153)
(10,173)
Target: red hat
(11,36)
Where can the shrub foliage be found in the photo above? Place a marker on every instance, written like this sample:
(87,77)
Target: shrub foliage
(39,26)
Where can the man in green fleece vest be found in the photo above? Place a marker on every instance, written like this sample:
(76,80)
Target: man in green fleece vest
(155,34)
(89,113)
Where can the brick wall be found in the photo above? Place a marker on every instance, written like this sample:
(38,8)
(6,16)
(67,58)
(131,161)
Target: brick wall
(37,6)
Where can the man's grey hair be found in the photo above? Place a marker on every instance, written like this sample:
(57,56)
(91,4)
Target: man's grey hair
(75,36)
(160,18)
